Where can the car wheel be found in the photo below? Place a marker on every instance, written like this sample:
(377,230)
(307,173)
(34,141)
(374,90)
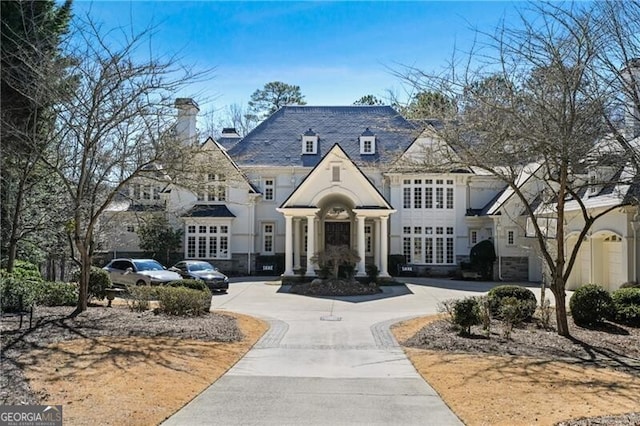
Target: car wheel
(141,282)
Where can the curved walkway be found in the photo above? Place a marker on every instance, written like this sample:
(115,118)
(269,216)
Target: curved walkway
(326,360)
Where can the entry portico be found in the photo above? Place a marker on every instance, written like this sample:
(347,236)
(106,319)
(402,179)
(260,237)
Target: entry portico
(337,205)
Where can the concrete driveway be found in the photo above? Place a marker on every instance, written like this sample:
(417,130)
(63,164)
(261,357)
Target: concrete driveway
(326,361)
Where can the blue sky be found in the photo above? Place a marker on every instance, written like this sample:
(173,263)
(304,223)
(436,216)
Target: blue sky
(335,51)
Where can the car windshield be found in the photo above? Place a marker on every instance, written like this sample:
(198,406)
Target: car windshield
(197,267)
(147,265)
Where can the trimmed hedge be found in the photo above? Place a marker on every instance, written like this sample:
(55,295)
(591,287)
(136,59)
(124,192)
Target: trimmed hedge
(591,304)
(182,301)
(192,284)
(57,294)
(524,295)
(626,302)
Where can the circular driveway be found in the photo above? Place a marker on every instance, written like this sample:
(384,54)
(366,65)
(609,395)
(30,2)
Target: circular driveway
(327,360)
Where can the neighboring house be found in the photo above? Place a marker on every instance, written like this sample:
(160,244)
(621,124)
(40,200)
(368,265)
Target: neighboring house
(308,177)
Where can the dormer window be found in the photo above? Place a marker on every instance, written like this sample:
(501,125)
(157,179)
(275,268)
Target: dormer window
(367,142)
(310,142)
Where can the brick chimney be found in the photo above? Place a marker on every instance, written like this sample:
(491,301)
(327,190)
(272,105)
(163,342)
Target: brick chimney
(186,123)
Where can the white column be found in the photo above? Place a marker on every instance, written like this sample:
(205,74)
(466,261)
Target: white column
(311,236)
(297,235)
(288,246)
(384,242)
(361,249)
(377,241)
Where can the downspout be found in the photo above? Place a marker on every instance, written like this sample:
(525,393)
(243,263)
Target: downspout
(635,224)
(498,252)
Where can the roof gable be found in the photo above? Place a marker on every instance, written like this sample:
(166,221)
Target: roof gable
(321,183)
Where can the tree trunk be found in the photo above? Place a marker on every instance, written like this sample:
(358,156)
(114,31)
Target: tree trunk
(561,309)
(83,284)
(15,220)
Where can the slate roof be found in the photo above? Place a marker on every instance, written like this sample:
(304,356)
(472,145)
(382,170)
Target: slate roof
(277,140)
(209,210)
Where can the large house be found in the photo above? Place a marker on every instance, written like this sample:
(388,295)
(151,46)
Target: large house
(313,176)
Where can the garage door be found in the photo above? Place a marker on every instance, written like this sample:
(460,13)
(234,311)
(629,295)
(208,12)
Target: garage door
(613,257)
(580,273)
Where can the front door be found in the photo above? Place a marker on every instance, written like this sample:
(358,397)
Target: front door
(337,234)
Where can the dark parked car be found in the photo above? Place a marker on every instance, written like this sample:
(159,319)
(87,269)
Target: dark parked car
(125,272)
(204,271)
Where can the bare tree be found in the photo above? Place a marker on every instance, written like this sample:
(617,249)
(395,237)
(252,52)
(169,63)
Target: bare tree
(112,123)
(531,103)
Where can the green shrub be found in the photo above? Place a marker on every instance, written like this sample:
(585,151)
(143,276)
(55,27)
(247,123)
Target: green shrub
(466,313)
(17,291)
(626,302)
(372,273)
(99,281)
(590,305)
(140,297)
(183,301)
(26,271)
(192,284)
(57,294)
(497,294)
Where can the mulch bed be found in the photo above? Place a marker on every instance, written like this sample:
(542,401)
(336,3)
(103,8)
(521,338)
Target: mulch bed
(334,287)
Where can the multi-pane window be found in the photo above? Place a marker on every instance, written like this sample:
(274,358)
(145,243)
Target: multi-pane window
(368,239)
(207,242)
(511,237)
(406,249)
(145,192)
(421,245)
(473,237)
(406,197)
(269,189)
(417,197)
(131,228)
(439,198)
(216,188)
(428,194)
(309,146)
(267,238)
(449,198)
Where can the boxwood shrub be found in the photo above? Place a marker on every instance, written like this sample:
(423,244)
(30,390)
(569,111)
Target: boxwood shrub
(182,301)
(626,302)
(57,294)
(192,284)
(466,313)
(526,297)
(591,304)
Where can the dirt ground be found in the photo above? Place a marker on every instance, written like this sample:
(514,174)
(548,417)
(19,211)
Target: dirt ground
(520,390)
(111,380)
(135,377)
